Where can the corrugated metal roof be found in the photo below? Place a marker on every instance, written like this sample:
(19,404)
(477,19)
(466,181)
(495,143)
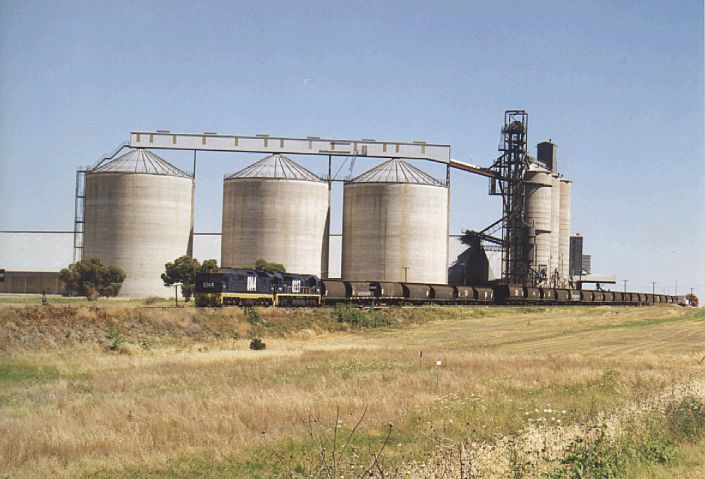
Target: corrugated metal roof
(140,161)
(396,171)
(276,167)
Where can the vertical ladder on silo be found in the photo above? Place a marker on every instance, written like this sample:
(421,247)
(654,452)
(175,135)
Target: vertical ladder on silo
(79,209)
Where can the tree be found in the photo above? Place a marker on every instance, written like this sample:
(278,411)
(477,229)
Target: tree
(91,278)
(183,270)
(210,266)
(267,267)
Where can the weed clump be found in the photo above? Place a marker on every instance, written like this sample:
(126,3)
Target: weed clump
(252,315)
(356,317)
(653,440)
(686,419)
(115,340)
(591,458)
(256,344)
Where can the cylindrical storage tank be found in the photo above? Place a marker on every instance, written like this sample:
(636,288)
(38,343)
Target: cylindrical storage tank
(395,226)
(138,214)
(555,261)
(537,214)
(564,229)
(275,210)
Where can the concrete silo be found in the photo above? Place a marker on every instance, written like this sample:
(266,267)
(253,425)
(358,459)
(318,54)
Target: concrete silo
(395,226)
(139,216)
(564,231)
(537,216)
(554,265)
(276,210)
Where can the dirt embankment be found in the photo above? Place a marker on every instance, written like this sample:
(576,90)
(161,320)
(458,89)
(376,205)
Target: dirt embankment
(61,327)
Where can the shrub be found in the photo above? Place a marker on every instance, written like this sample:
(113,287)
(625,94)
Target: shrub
(587,458)
(252,315)
(92,294)
(657,450)
(650,440)
(344,313)
(115,340)
(685,420)
(256,344)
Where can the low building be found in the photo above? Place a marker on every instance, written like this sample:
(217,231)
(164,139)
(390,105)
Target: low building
(31,282)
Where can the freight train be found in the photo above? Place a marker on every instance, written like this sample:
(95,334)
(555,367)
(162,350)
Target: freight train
(246,287)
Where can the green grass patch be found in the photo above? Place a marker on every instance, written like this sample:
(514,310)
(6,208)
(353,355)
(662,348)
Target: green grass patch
(18,372)
(565,333)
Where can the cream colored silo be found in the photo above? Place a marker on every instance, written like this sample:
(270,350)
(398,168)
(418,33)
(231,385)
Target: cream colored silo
(564,232)
(395,226)
(537,215)
(138,215)
(275,210)
(555,226)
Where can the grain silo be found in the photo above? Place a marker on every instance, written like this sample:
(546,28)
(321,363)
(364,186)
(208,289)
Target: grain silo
(537,216)
(139,216)
(554,265)
(564,232)
(395,226)
(275,210)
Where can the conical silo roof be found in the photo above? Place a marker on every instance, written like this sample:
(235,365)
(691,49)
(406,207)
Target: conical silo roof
(140,161)
(275,167)
(396,171)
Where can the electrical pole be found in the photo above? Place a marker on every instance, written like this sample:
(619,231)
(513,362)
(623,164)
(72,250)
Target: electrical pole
(653,287)
(676,287)
(625,284)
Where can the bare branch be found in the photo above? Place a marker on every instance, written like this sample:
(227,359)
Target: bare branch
(352,432)
(378,455)
(335,440)
(279,457)
(319,445)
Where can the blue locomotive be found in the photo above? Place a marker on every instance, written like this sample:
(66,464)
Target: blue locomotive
(247,287)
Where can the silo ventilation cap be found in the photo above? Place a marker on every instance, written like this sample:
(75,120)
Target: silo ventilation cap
(396,171)
(140,161)
(275,167)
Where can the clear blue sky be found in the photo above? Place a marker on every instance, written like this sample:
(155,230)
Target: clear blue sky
(617,85)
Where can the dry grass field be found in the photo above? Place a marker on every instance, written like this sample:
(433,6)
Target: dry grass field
(90,391)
